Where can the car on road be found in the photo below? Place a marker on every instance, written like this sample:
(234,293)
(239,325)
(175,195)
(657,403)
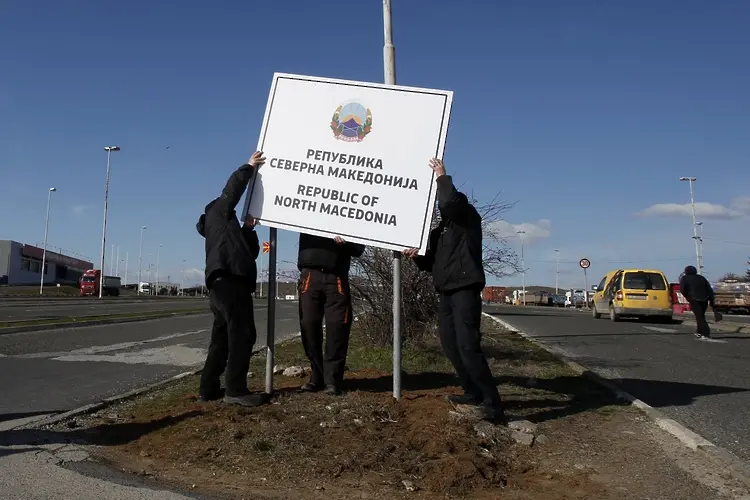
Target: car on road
(633,292)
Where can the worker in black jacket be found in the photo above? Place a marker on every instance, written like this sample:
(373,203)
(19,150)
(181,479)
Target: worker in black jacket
(698,292)
(454,256)
(231,272)
(324,293)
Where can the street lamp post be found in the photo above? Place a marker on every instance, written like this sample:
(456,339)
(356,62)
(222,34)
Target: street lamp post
(140,261)
(182,282)
(46,227)
(700,243)
(557,271)
(523,268)
(691,180)
(109,150)
(158,253)
(127,258)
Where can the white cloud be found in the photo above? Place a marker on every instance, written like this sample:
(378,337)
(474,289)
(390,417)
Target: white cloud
(80,209)
(702,210)
(535,231)
(193,274)
(742,204)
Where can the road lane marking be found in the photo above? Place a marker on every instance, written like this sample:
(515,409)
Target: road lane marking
(173,355)
(87,351)
(660,330)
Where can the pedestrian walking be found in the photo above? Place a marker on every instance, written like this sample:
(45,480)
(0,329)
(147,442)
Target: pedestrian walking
(231,272)
(698,292)
(454,257)
(324,293)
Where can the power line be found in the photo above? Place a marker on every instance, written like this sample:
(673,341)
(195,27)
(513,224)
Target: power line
(727,241)
(675,259)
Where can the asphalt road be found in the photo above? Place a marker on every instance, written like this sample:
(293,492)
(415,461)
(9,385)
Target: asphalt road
(23,310)
(701,384)
(58,370)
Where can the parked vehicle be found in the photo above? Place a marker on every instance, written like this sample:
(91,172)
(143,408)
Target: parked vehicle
(558,300)
(680,304)
(732,297)
(575,298)
(633,292)
(90,281)
(144,288)
(494,294)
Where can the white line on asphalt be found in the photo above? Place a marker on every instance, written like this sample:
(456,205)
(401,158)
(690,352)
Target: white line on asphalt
(173,355)
(108,348)
(661,330)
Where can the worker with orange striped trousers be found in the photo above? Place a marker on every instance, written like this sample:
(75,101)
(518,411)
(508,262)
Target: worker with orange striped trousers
(324,294)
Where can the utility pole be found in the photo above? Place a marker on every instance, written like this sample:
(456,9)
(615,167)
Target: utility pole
(700,243)
(109,150)
(557,273)
(691,180)
(389,73)
(523,267)
(46,227)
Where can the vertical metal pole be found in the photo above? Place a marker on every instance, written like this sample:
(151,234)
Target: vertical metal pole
(182,282)
(127,257)
(140,263)
(158,254)
(586,287)
(695,226)
(700,241)
(523,267)
(112,260)
(117,266)
(104,228)
(557,271)
(271,323)
(44,251)
(261,273)
(389,72)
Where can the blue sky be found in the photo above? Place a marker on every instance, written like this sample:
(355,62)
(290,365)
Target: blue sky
(585,113)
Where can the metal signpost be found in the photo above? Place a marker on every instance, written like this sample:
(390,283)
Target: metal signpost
(585,264)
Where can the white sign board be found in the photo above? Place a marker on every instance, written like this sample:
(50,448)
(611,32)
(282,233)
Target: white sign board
(350,159)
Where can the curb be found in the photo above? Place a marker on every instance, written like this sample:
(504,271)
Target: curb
(737,468)
(111,321)
(104,403)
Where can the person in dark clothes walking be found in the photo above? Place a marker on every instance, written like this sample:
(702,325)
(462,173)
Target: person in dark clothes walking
(699,294)
(324,293)
(454,256)
(231,272)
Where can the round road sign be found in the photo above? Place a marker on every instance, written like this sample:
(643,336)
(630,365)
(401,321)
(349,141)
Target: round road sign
(585,263)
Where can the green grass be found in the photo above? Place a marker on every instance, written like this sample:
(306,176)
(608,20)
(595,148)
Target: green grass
(415,359)
(69,320)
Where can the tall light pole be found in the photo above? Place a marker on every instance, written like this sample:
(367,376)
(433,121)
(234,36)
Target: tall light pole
(46,227)
(700,243)
(158,253)
(117,268)
(557,272)
(109,150)
(389,74)
(127,258)
(140,261)
(182,283)
(691,180)
(523,267)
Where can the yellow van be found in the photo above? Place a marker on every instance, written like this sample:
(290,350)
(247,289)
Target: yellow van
(633,292)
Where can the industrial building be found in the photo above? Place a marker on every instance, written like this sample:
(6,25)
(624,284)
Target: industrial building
(21,264)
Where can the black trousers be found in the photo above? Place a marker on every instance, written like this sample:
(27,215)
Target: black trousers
(459,319)
(700,307)
(232,336)
(325,296)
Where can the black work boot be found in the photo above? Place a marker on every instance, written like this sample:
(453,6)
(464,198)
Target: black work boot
(247,400)
(464,399)
(333,390)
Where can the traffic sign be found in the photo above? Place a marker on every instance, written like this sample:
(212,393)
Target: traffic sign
(266,247)
(584,263)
